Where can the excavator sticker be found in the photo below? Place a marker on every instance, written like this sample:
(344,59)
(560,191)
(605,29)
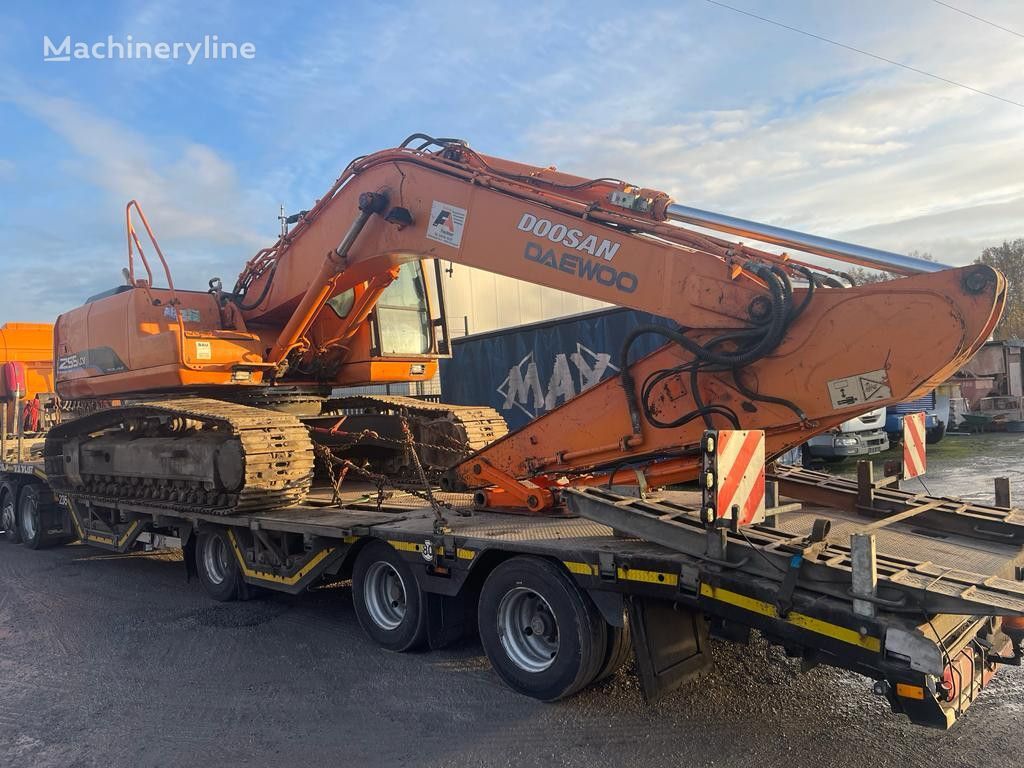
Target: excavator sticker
(100,359)
(861,388)
(446,223)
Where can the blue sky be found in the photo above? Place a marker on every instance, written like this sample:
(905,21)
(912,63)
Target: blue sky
(720,110)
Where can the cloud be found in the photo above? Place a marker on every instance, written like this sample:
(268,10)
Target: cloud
(200,212)
(899,160)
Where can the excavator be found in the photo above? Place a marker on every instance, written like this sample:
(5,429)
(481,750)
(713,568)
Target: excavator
(211,401)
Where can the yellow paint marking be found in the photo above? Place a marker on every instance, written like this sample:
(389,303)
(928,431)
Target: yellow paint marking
(648,577)
(288,580)
(803,621)
(583,569)
(109,538)
(405,546)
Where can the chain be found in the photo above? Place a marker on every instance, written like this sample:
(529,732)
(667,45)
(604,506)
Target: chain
(440,523)
(424,491)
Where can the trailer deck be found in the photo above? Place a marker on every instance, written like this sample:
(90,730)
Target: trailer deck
(655,561)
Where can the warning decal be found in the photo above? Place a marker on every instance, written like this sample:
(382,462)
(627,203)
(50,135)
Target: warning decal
(446,223)
(739,474)
(914,458)
(204,350)
(861,388)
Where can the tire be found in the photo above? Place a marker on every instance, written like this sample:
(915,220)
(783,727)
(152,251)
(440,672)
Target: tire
(217,566)
(34,517)
(389,603)
(562,646)
(9,513)
(620,648)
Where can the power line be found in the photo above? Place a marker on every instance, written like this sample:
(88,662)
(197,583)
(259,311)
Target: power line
(900,64)
(978,18)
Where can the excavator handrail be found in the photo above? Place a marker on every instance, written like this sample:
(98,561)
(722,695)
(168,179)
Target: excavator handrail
(134,238)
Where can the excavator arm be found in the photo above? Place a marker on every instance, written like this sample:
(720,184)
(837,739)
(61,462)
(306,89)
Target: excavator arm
(763,341)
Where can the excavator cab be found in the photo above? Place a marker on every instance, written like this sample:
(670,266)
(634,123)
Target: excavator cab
(399,340)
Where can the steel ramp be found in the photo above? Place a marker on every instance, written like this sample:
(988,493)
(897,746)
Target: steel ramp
(825,566)
(945,515)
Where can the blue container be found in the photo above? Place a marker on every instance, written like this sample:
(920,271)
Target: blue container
(527,370)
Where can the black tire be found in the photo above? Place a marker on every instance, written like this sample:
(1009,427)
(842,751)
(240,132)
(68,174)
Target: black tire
(9,512)
(388,600)
(217,566)
(620,648)
(35,518)
(543,660)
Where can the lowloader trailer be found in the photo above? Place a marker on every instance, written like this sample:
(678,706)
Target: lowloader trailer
(916,593)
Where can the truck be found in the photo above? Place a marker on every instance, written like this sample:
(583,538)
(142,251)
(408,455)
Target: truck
(936,407)
(863,435)
(26,371)
(641,516)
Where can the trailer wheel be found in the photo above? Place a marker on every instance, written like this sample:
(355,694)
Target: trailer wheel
(541,633)
(620,646)
(31,523)
(217,566)
(389,603)
(8,512)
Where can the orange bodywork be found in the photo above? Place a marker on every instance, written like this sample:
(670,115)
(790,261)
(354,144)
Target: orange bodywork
(32,345)
(391,210)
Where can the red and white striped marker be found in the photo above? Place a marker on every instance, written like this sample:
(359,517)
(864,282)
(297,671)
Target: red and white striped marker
(735,474)
(914,462)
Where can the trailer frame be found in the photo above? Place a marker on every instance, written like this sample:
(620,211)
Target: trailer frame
(674,600)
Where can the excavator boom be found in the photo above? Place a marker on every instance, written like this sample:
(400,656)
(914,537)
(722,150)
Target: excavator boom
(752,351)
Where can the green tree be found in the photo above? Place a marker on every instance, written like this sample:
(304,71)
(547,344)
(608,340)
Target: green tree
(862,275)
(1008,258)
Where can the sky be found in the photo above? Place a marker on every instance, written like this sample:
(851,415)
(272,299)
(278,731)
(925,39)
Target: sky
(718,109)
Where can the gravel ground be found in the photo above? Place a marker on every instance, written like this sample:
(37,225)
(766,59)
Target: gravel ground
(117,661)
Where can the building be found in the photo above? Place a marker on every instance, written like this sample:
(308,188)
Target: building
(995,370)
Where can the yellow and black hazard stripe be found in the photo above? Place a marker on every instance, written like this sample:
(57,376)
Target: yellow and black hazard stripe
(736,600)
(309,568)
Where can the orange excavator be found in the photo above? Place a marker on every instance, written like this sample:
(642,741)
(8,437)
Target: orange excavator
(221,390)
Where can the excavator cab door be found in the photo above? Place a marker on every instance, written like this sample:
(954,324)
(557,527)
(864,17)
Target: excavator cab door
(403,337)
(402,322)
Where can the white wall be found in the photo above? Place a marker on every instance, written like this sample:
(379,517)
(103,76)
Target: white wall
(485,301)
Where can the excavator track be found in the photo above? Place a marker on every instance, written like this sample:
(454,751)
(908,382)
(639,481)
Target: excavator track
(210,457)
(445,434)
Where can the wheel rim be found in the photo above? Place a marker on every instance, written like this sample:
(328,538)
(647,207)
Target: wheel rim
(528,629)
(7,518)
(28,520)
(215,560)
(384,595)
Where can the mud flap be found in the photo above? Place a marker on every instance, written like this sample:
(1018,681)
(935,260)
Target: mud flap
(448,619)
(188,548)
(670,642)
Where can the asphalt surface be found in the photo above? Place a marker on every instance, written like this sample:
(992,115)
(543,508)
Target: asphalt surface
(117,661)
